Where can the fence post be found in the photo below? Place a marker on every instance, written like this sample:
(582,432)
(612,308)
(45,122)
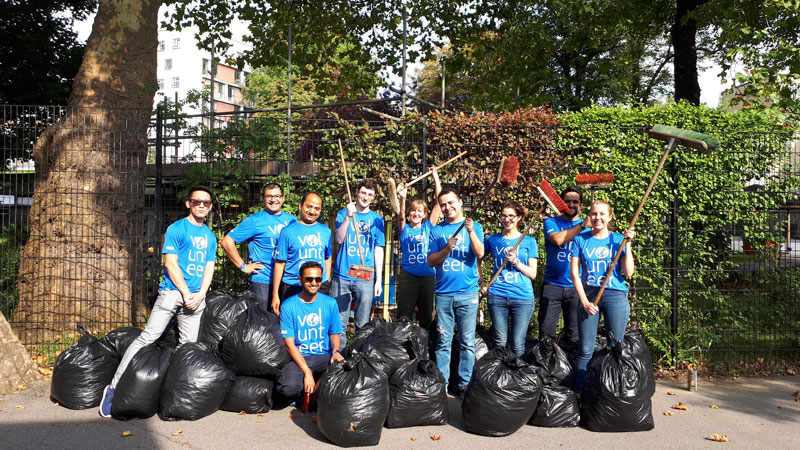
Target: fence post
(159,157)
(425,153)
(674,272)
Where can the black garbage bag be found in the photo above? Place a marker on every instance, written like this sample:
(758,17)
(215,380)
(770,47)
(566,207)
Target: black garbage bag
(394,343)
(120,339)
(502,394)
(253,345)
(196,383)
(82,371)
(139,389)
(572,349)
(252,395)
(619,387)
(558,407)
(483,344)
(417,395)
(553,362)
(222,309)
(353,402)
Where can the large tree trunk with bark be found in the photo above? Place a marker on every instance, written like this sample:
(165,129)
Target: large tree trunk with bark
(684,42)
(16,366)
(83,260)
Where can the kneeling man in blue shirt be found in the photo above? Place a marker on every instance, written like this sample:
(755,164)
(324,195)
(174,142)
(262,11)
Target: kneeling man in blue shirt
(310,327)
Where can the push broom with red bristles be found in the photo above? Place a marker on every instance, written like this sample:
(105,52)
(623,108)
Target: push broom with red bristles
(553,200)
(594,181)
(361,272)
(506,177)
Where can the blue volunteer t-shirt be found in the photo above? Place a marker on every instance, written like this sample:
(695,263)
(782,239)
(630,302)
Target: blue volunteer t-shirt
(261,230)
(557,269)
(458,274)
(414,242)
(596,256)
(511,282)
(195,246)
(299,243)
(371,234)
(310,324)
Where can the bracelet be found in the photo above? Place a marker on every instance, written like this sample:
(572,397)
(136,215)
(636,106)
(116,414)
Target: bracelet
(244,264)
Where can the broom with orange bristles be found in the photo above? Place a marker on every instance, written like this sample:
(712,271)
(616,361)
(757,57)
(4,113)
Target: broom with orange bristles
(594,181)
(361,272)
(553,200)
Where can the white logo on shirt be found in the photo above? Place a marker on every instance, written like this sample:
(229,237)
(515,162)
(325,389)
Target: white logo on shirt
(311,320)
(602,252)
(312,240)
(363,227)
(200,242)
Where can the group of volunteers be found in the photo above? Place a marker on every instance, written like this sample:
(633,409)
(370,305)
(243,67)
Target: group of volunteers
(292,275)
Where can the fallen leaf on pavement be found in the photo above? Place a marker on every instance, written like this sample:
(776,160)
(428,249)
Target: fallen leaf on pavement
(20,407)
(667,413)
(260,420)
(241,413)
(791,372)
(680,406)
(413,439)
(126,433)
(796,396)
(22,387)
(55,404)
(46,372)
(178,433)
(352,426)
(436,437)
(670,393)
(292,416)
(314,419)
(260,415)
(714,407)
(719,437)
(780,407)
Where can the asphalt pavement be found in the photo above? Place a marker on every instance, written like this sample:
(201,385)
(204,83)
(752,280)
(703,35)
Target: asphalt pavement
(751,412)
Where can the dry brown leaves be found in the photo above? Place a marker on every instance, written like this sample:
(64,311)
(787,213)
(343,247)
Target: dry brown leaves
(436,437)
(680,406)
(670,393)
(796,396)
(178,433)
(241,413)
(352,427)
(20,407)
(127,433)
(668,413)
(719,437)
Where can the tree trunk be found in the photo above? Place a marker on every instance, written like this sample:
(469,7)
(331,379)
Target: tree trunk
(83,260)
(684,35)
(16,366)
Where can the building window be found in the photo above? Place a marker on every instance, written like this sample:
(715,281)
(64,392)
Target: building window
(246,78)
(237,75)
(176,82)
(160,84)
(230,92)
(176,43)
(161,46)
(205,66)
(168,64)
(220,89)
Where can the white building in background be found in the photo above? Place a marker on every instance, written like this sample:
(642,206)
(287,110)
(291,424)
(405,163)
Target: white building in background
(183,67)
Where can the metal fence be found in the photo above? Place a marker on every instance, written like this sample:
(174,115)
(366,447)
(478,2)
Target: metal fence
(748,311)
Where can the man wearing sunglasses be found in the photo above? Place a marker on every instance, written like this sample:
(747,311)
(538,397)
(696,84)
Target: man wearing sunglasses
(190,249)
(558,293)
(310,327)
(260,231)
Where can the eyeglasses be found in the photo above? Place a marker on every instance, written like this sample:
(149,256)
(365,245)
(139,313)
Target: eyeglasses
(312,279)
(198,202)
(273,197)
(510,217)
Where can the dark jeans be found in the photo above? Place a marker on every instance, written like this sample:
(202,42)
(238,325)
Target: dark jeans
(263,292)
(414,291)
(553,301)
(290,380)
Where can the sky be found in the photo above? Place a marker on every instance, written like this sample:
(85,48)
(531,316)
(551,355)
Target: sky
(710,85)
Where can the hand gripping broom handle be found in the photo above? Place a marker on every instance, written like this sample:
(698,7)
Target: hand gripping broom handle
(519,241)
(673,142)
(350,200)
(425,175)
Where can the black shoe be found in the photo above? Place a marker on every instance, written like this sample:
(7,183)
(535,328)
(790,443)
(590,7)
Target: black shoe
(461,392)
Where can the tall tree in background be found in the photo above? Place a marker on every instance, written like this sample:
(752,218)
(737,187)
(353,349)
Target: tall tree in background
(684,42)
(83,260)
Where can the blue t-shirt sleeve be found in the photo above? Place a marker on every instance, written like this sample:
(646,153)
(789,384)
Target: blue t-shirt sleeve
(380,231)
(533,248)
(478,230)
(334,322)
(282,248)
(577,243)
(244,231)
(433,240)
(172,244)
(212,245)
(287,321)
(340,217)
(330,244)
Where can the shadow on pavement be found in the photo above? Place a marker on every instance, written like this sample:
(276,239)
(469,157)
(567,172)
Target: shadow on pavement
(98,433)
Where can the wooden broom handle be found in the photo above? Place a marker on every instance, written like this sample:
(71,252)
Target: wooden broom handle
(673,142)
(350,200)
(519,241)
(425,175)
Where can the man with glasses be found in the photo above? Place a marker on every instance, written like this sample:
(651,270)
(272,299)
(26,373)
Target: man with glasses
(310,328)
(300,241)
(190,249)
(558,292)
(371,239)
(260,231)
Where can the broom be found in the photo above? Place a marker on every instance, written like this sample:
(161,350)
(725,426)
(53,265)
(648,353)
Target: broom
(673,137)
(553,200)
(361,272)
(506,176)
(392,193)
(594,181)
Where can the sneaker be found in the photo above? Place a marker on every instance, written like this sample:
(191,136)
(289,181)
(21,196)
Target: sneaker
(461,391)
(105,404)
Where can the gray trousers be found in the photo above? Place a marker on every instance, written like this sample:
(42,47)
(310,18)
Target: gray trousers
(168,303)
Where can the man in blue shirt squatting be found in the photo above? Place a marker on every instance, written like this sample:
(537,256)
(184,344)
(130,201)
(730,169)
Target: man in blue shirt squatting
(456,261)
(189,251)
(558,292)
(260,231)
(310,327)
(300,241)
(346,289)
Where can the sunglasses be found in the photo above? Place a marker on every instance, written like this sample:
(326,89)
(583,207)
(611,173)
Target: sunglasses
(312,279)
(198,202)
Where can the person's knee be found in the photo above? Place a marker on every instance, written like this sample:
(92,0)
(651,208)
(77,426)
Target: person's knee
(290,389)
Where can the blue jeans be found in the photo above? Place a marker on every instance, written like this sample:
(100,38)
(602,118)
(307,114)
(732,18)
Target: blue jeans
(263,292)
(357,292)
(616,310)
(459,310)
(521,310)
